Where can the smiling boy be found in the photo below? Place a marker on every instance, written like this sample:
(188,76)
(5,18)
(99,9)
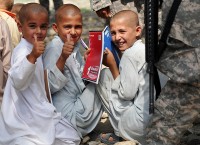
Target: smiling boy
(124,91)
(77,101)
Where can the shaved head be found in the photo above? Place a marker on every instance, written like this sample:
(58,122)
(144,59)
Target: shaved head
(125,29)
(6,4)
(67,10)
(31,8)
(127,16)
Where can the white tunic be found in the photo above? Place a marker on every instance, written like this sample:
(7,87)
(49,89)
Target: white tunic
(27,117)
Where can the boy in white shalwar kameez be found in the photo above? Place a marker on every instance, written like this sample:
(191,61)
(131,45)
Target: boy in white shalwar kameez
(124,90)
(77,102)
(27,117)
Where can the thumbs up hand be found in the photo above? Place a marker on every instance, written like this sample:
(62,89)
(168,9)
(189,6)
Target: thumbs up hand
(68,47)
(38,49)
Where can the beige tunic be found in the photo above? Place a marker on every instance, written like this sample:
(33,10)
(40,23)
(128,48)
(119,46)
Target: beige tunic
(5,51)
(15,34)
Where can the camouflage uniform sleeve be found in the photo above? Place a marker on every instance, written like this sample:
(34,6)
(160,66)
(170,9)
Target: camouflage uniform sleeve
(99,4)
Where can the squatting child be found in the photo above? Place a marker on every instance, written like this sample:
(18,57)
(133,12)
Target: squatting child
(77,101)
(124,91)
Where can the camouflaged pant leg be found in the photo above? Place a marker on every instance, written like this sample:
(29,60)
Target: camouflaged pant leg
(175,111)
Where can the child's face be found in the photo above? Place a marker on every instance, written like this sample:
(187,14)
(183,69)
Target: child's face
(123,34)
(69,25)
(36,24)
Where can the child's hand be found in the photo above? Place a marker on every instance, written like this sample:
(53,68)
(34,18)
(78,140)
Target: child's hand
(86,54)
(109,61)
(38,49)
(108,58)
(68,47)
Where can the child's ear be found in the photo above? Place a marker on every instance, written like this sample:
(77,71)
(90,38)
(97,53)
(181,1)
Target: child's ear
(55,28)
(19,25)
(138,31)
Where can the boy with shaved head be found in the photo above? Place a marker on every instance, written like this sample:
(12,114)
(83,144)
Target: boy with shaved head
(76,100)
(124,91)
(27,116)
